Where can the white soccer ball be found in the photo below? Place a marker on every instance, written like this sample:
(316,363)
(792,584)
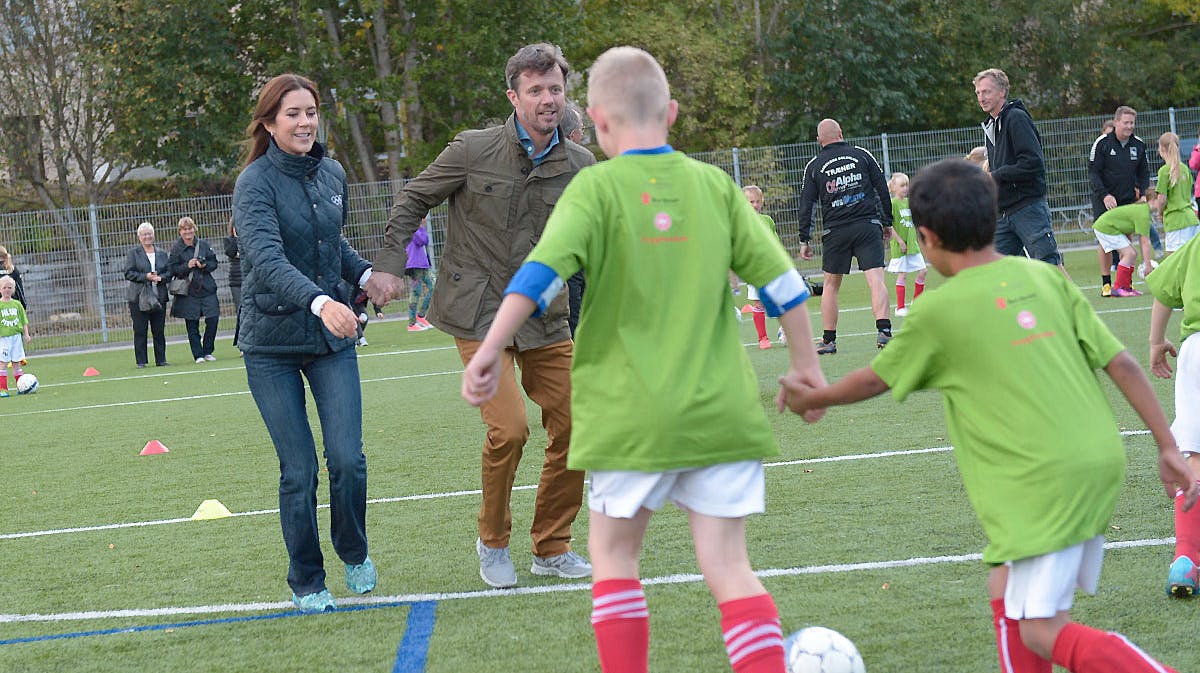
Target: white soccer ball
(817,649)
(1142,269)
(27,384)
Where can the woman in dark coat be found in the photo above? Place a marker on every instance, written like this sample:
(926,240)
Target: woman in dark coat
(7,269)
(193,258)
(147,264)
(235,266)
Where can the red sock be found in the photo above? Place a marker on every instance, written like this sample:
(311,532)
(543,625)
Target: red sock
(760,323)
(1082,649)
(4,380)
(1124,276)
(622,625)
(918,288)
(753,636)
(899,296)
(1187,531)
(1015,656)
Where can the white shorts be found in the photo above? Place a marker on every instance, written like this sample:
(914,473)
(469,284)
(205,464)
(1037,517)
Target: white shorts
(1186,427)
(1042,586)
(12,348)
(1174,240)
(1112,242)
(725,490)
(751,292)
(906,263)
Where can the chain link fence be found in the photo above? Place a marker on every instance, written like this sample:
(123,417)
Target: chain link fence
(72,260)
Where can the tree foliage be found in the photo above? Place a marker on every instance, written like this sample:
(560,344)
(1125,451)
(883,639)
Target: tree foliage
(111,84)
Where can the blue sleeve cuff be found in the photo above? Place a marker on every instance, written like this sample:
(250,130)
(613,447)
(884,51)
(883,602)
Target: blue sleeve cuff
(538,282)
(784,293)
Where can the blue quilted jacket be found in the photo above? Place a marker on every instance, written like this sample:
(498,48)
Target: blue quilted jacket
(289,212)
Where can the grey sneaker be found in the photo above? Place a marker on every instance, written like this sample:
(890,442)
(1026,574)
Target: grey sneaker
(495,567)
(827,348)
(883,339)
(569,565)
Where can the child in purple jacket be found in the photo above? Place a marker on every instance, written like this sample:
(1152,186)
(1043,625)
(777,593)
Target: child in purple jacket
(421,280)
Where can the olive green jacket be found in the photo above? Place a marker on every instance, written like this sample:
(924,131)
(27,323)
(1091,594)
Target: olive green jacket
(499,204)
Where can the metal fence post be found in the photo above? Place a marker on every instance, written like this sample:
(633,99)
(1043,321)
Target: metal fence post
(887,162)
(737,168)
(1171,116)
(94,220)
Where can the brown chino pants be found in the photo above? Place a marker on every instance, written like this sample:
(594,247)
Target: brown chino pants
(546,378)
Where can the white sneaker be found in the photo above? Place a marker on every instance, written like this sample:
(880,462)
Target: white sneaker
(199,361)
(210,358)
(495,566)
(781,337)
(902,311)
(569,565)
(362,341)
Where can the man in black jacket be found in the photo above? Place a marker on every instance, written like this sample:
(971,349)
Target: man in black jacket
(1120,174)
(856,215)
(1016,163)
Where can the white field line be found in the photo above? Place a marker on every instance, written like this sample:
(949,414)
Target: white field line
(206,396)
(519,591)
(455,494)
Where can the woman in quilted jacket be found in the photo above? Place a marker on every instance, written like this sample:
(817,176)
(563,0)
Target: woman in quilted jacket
(295,324)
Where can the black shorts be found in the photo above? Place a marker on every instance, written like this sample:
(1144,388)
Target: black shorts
(862,240)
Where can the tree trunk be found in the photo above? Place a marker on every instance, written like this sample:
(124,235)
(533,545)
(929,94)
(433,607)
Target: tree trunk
(366,156)
(381,53)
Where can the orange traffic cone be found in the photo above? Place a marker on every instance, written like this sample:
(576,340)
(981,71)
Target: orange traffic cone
(154,447)
(91,371)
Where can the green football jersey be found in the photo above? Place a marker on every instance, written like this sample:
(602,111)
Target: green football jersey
(12,317)
(1013,348)
(1176,283)
(1131,219)
(1177,212)
(903,224)
(660,378)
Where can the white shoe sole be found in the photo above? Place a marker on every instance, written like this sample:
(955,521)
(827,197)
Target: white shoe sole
(555,572)
(496,585)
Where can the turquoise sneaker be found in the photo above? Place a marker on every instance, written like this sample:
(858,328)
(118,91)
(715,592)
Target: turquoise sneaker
(321,601)
(361,578)
(1182,578)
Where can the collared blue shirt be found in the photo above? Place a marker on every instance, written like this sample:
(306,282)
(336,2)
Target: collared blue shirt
(527,142)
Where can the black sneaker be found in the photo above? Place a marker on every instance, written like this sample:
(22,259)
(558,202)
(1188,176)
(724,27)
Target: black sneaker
(828,348)
(882,340)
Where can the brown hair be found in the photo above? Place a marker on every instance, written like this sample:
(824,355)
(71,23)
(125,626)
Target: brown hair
(996,75)
(269,99)
(1123,110)
(538,58)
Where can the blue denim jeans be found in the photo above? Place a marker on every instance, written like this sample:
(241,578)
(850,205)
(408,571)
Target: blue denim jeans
(1027,230)
(277,384)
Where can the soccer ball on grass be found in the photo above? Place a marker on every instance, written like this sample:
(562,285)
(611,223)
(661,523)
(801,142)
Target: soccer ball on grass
(27,384)
(817,649)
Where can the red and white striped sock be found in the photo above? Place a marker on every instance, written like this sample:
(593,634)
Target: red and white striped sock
(621,621)
(753,635)
(1082,649)
(1015,656)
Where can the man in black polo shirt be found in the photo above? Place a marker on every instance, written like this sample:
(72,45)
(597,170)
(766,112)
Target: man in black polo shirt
(1119,171)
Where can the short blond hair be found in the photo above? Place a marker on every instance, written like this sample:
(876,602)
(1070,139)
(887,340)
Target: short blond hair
(753,189)
(8,281)
(897,179)
(186,221)
(631,87)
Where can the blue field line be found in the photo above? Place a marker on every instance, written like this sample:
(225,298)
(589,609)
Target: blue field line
(414,647)
(421,610)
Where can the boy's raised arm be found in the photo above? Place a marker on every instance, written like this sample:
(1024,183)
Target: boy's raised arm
(1172,469)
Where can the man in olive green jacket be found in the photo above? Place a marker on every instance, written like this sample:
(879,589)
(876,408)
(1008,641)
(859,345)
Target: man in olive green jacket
(502,183)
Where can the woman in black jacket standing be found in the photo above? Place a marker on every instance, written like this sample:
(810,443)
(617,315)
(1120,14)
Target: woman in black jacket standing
(193,258)
(235,266)
(290,205)
(147,270)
